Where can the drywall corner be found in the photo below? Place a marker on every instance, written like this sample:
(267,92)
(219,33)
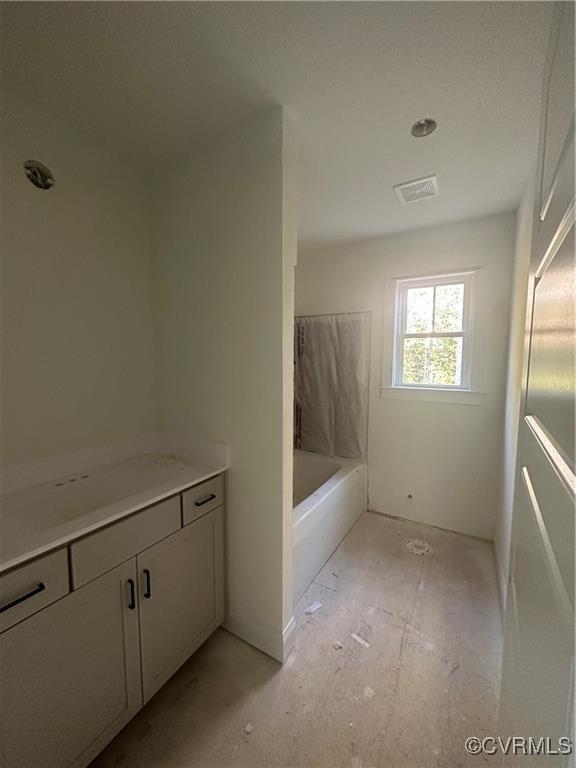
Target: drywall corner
(289,256)
(224,263)
(516,353)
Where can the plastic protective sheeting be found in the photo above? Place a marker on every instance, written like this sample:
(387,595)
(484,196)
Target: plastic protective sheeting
(331,377)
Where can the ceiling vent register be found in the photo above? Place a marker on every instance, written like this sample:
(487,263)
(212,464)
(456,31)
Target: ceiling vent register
(420,189)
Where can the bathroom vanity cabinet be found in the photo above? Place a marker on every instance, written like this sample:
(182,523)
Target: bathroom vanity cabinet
(140,596)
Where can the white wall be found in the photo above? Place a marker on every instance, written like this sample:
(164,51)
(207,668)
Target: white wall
(514,384)
(78,365)
(448,456)
(135,303)
(225,257)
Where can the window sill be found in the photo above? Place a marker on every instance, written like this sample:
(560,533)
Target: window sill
(431,395)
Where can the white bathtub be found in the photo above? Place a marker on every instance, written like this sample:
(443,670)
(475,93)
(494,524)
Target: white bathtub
(329,496)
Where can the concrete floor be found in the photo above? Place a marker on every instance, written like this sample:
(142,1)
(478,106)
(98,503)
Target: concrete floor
(428,679)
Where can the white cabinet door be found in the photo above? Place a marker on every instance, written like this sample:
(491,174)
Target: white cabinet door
(181,597)
(70,675)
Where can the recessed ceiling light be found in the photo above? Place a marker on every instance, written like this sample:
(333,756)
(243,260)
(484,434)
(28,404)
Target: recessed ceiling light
(423,127)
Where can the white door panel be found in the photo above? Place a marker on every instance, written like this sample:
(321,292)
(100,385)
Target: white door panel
(538,666)
(550,394)
(558,110)
(538,661)
(557,509)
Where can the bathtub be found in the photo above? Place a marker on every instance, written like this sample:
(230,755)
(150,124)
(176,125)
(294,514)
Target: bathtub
(329,496)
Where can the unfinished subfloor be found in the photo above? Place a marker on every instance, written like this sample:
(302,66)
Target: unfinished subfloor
(424,679)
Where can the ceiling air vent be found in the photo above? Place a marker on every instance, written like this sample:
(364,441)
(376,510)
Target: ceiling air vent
(419,189)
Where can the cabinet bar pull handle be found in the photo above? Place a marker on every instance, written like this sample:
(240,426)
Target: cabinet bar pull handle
(148,590)
(132,603)
(40,588)
(206,500)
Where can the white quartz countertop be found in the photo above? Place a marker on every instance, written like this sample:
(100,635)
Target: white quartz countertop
(41,518)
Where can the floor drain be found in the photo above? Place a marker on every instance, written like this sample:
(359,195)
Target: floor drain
(418,546)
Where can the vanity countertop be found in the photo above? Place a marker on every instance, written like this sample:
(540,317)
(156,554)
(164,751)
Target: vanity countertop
(41,518)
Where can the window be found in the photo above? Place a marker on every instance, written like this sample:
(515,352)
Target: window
(432,346)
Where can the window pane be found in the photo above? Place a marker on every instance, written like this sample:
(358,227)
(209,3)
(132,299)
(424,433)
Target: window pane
(416,361)
(446,361)
(419,307)
(449,308)
(433,361)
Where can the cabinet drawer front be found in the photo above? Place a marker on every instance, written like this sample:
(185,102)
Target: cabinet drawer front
(106,549)
(32,587)
(202,498)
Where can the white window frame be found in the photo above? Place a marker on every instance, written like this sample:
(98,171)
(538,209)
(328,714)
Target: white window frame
(401,294)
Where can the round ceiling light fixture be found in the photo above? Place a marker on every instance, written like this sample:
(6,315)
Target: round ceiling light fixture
(423,127)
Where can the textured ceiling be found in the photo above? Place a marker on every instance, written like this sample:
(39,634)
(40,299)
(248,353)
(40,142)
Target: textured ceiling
(156,80)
